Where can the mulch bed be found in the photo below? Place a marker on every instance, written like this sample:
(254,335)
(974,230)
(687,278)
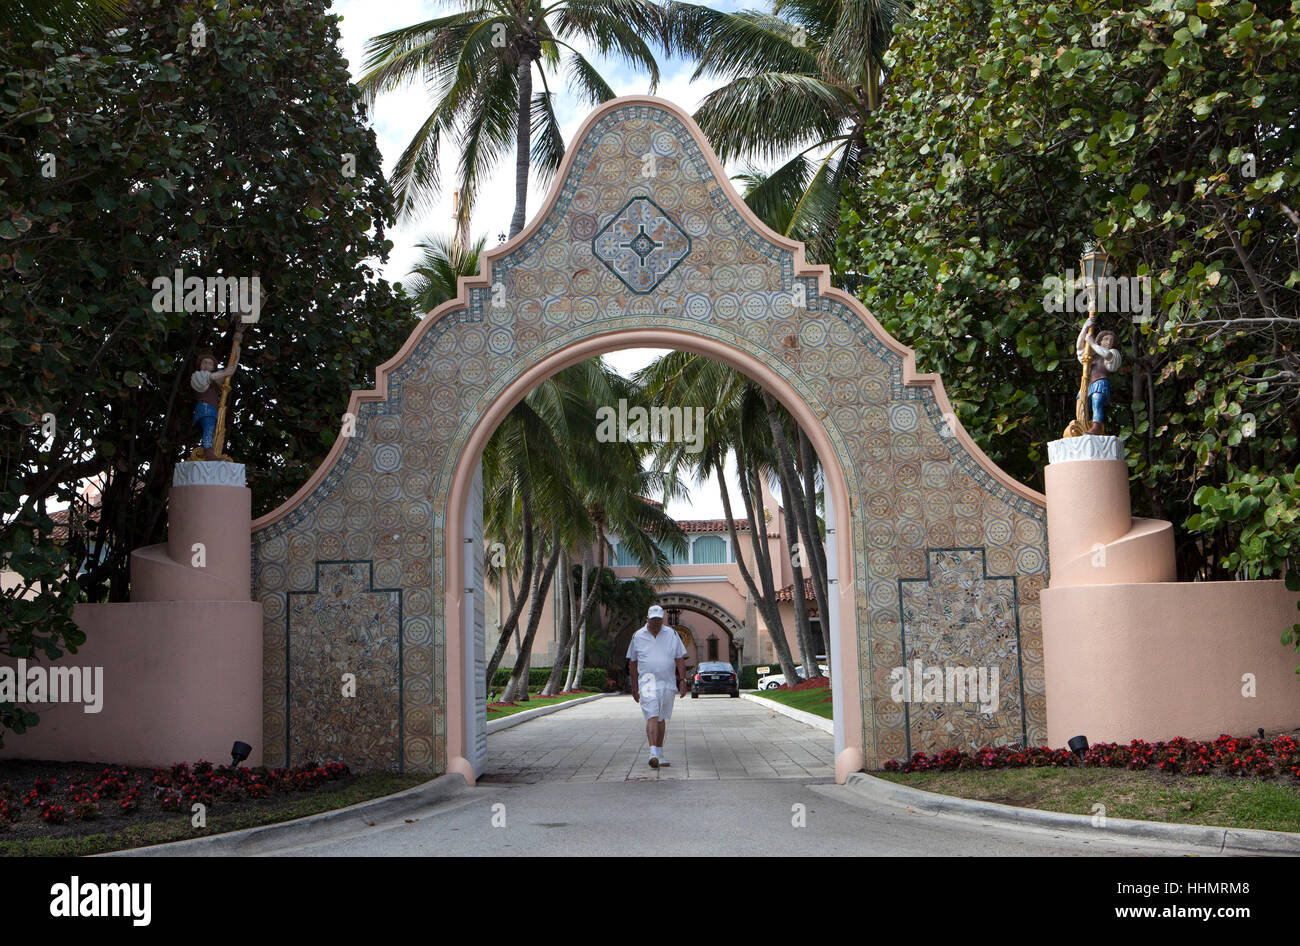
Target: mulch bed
(816,683)
(75,799)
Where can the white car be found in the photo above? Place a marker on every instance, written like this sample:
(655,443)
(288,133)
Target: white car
(774,680)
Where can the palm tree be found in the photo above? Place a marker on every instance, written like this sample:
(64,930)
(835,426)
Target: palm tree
(436,275)
(546,476)
(803,82)
(71,20)
(480,61)
(738,424)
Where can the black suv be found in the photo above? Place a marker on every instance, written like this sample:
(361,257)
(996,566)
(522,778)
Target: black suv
(715,677)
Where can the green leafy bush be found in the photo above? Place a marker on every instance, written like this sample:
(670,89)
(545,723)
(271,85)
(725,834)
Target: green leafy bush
(1013,132)
(594,679)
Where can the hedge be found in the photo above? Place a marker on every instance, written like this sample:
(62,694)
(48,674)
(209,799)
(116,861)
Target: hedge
(593,678)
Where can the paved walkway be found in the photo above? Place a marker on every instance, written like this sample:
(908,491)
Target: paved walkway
(744,782)
(714,737)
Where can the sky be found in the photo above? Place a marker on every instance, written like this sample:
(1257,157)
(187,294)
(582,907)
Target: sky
(397,114)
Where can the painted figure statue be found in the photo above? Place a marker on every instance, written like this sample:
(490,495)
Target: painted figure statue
(210,410)
(1100,358)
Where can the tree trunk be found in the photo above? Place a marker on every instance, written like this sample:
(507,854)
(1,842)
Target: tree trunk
(579,651)
(517,688)
(783,654)
(511,691)
(792,502)
(523,148)
(573,619)
(582,659)
(766,602)
(589,590)
(813,541)
(516,606)
(566,626)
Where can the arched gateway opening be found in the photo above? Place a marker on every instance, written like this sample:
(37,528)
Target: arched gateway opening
(373,567)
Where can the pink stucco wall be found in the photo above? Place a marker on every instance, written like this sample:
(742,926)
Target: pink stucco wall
(182,661)
(182,682)
(1155,661)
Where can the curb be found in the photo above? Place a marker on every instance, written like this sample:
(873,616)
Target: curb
(514,719)
(808,719)
(1222,840)
(250,841)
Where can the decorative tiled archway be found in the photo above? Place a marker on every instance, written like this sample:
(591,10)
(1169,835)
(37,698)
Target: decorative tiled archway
(643,241)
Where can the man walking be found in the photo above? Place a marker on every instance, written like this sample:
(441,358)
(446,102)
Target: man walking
(658,670)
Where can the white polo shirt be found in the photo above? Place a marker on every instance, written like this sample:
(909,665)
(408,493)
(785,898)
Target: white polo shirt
(657,654)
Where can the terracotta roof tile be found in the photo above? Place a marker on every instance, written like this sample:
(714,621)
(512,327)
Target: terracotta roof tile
(787,593)
(711,525)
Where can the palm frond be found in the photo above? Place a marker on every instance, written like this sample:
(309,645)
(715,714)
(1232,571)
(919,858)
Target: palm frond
(769,114)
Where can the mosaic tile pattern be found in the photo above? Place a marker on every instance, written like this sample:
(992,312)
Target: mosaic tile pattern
(641,245)
(913,488)
(344,625)
(959,618)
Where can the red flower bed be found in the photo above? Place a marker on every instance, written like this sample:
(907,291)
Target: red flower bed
(1228,755)
(175,789)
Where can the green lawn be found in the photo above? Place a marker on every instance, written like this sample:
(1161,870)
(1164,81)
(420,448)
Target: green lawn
(144,833)
(534,701)
(1272,804)
(810,700)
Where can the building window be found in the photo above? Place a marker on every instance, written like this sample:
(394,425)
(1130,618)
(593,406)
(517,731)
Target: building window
(713,648)
(622,556)
(711,550)
(676,558)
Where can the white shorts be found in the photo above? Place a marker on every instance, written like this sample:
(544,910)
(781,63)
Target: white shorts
(656,698)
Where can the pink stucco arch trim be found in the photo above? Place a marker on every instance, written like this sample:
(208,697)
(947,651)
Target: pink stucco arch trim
(846,680)
(801,268)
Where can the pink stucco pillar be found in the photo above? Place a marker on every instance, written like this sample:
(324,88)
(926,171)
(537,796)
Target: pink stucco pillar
(207,554)
(1129,652)
(1092,537)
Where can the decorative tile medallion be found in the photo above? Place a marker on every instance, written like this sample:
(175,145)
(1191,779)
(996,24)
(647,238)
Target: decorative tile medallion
(641,244)
(948,560)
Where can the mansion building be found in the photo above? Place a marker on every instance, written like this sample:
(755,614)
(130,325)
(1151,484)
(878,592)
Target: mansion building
(706,598)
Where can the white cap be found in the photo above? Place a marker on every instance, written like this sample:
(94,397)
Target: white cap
(654,612)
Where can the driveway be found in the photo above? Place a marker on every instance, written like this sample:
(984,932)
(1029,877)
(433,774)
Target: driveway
(714,737)
(744,782)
